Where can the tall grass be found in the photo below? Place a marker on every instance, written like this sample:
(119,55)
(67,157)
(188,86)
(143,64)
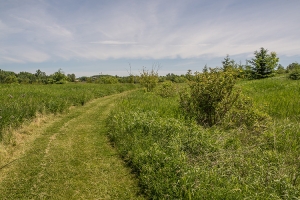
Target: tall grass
(278,96)
(22,102)
(176,159)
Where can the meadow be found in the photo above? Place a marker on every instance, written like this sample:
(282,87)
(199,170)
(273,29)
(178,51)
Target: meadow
(19,103)
(175,158)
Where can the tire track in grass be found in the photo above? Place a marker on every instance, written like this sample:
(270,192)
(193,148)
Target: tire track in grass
(72,159)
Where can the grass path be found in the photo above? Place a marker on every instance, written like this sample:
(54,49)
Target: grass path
(71,159)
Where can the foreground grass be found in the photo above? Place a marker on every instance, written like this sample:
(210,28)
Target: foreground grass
(176,159)
(70,159)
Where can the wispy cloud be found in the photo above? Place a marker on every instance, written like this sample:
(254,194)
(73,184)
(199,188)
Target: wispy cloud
(113,42)
(97,30)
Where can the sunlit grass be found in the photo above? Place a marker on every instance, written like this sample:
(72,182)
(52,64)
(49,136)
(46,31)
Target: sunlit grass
(176,159)
(278,96)
(22,102)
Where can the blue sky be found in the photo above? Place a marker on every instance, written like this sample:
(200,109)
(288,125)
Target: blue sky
(89,37)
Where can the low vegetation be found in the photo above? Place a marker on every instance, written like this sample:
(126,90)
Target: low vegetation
(175,158)
(226,133)
(23,102)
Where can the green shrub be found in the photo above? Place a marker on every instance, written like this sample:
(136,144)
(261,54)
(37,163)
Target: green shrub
(295,74)
(210,97)
(149,79)
(166,89)
(244,114)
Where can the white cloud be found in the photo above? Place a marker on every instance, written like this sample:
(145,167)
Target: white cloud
(153,29)
(113,42)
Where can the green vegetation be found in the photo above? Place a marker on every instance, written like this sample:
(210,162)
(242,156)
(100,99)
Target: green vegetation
(218,134)
(277,96)
(175,158)
(210,96)
(263,65)
(71,158)
(167,89)
(22,102)
(149,79)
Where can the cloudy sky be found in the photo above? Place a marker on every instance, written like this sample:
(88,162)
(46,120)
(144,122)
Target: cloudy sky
(88,37)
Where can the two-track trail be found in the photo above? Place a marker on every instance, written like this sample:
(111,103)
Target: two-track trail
(71,159)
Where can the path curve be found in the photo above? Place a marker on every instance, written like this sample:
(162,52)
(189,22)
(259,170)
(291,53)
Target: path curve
(72,159)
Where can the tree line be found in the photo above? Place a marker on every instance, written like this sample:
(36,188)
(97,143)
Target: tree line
(263,65)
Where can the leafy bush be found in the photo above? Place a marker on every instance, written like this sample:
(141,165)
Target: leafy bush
(244,114)
(210,97)
(166,89)
(295,74)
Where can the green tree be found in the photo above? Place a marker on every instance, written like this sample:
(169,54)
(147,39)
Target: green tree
(59,77)
(293,66)
(71,77)
(26,77)
(263,64)
(11,79)
(280,69)
(228,64)
(189,75)
(41,76)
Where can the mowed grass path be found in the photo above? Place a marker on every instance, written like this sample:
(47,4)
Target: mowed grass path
(71,159)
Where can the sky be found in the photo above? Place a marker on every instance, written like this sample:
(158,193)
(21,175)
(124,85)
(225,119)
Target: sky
(118,37)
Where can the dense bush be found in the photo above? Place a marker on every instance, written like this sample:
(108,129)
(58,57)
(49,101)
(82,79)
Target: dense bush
(295,74)
(210,97)
(166,89)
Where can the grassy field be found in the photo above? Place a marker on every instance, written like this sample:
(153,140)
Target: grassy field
(278,96)
(22,102)
(69,157)
(177,159)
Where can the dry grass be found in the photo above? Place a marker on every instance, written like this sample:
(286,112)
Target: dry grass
(16,141)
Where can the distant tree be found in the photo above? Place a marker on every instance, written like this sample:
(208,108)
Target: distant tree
(59,77)
(71,77)
(41,76)
(280,69)
(205,69)
(263,64)
(228,64)
(189,75)
(293,66)
(26,77)
(11,79)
